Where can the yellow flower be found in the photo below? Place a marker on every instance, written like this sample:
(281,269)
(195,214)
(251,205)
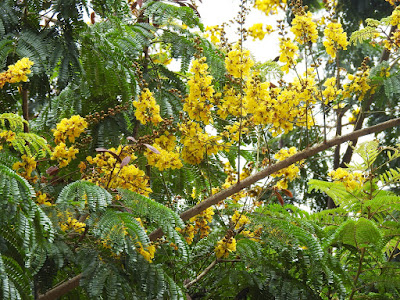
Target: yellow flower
(304,29)
(28,165)
(147,109)
(69,128)
(198,104)
(239,220)
(147,253)
(225,246)
(335,38)
(63,154)
(351,181)
(238,62)
(269,6)
(16,73)
(290,173)
(256,31)
(8,135)
(395,17)
(288,52)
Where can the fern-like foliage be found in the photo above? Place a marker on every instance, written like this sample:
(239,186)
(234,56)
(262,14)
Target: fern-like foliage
(79,193)
(13,122)
(161,215)
(362,35)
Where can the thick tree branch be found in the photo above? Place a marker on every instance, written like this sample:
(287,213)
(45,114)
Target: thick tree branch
(202,274)
(64,288)
(61,289)
(216,198)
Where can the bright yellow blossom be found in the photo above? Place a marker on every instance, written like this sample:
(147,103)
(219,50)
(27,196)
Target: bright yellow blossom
(304,29)
(26,167)
(238,62)
(63,154)
(289,173)
(256,31)
(16,73)
(269,6)
(225,246)
(147,109)
(239,220)
(335,38)
(351,180)
(288,52)
(198,104)
(69,128)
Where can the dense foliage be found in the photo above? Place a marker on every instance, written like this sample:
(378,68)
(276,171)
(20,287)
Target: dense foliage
(123,178)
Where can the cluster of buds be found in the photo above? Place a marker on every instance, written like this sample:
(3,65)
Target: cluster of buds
(99,116)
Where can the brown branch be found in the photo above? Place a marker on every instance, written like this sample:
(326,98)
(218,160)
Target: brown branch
(202,274)
(25,107)
(61,289)
(214,199)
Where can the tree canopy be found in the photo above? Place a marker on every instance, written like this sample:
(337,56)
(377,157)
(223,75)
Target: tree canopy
(144,155)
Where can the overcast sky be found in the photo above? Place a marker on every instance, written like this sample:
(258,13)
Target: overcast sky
(216,12)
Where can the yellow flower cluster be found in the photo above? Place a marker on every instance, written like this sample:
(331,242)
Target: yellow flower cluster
(197,143)
(72,224)
(288,52)
(198,103)
(63,154)
(354,115)
(256,31)
(330,92)
(202,220)
(7,135)
(163,160)
(231,103)
(69,128)
(147,109)
(109,173)
(269,6)
(166,141)
(395,17)
(147,253)
(351,181)
(239,220)
(225,246)
(188,232)
(231,132)
(289,173)
(16,73)
(215,33)
(359,84)
(258,101)
(26,167)
(335,38)
(304,29)
(238,62)
(41,198)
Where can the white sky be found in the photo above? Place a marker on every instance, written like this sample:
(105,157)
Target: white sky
(216,12)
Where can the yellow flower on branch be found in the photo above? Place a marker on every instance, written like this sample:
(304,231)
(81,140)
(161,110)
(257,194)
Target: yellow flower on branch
(304,29)
(147,109)
(335,38)
(16,73)
(256,31)
(270,6)
(238,62)
(69,128)
(225,246)
(26,167)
